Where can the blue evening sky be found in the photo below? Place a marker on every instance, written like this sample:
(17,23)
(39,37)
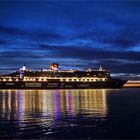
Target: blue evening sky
(75,34)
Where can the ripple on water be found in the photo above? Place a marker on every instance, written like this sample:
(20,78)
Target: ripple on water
(69,114)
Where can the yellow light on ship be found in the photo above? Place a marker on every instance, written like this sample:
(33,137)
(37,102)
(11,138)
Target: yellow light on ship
(72,79)
(67,79)
(77,79)
(24,79)
(4,79)
(94,79)
(10,79)
(103,79)
(33,79)
(16,79)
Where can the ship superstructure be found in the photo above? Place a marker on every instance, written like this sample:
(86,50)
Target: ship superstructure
(55,78)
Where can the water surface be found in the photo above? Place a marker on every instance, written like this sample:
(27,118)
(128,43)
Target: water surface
(68,114)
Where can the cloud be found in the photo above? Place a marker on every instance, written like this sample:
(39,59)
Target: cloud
(11,31)
(18,54)
(3,42)
(125,38)
(82,34)
(32,36)
(89,53)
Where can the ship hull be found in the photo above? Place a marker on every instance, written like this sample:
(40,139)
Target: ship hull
(63,85)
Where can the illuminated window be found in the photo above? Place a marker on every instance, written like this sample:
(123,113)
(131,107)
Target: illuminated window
(10,79)
(39,80)
(94,79)
(72,79)
(77,80)
(67,80)
(16,79)
(103,79)
(24,79)
(4,79)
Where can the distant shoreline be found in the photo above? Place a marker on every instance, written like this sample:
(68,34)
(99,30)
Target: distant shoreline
(132,85)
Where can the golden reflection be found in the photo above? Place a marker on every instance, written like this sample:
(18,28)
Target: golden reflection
(52,104)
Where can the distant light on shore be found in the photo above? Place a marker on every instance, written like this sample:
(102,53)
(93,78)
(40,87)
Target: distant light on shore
(131,83)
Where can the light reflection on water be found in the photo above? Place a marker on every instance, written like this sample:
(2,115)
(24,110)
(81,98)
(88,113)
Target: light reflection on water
(45,110)
(70,114)
(52,102)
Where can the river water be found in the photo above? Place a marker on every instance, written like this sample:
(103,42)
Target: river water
(70,114)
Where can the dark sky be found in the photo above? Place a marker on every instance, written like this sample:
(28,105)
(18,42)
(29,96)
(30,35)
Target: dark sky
(75,34)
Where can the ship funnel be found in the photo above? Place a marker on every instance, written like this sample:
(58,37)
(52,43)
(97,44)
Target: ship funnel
(54,66)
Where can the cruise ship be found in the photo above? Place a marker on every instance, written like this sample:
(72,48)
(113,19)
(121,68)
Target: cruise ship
(53,78)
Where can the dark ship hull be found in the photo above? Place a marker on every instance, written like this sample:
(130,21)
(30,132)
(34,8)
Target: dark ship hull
(63,85)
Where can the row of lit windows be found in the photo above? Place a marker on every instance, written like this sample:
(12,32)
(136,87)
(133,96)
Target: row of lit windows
(65,79)
(61,79)
(9,79)
(83,80)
